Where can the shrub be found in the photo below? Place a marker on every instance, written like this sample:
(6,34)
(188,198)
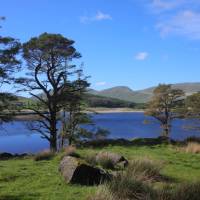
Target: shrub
(44,155)
(146,168)
(192,147)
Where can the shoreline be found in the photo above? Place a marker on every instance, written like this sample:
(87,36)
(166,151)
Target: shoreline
(115,110)
(27,115)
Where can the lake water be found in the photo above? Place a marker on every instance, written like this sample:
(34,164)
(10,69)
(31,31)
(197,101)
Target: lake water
(16,138)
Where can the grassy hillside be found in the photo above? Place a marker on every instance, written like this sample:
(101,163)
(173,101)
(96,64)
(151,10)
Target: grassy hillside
(93,100)
(122,93)
(122,96)
(108,102)
(26,179)
(143,96)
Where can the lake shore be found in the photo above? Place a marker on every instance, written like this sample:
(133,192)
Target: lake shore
(114,110)
(28,115)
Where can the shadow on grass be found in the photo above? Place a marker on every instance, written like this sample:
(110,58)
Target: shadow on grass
(167,179)
(9,178)
(124,142)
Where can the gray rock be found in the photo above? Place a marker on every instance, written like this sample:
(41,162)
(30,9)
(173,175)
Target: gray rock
(76,172)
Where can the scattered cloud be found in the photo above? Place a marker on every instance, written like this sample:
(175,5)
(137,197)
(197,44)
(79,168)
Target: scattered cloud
(185,23)
(102,16)
(99,16)
(103,83)
(165,5)
(177,17)
(141,56)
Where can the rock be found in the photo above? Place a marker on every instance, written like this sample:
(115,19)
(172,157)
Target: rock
(76,172)
(4,156)
(117,159)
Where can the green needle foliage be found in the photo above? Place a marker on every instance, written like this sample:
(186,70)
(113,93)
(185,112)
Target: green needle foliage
(165,106)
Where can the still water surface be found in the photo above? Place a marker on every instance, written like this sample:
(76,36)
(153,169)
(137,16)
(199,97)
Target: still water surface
(16,138)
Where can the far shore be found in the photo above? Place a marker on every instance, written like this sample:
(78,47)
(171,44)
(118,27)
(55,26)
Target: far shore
(114,110)
(29,115)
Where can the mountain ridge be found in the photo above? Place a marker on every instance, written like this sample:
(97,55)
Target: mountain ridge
(142,96)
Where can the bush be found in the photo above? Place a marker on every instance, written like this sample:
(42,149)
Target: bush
(192,147)
(146,168)
(44,155)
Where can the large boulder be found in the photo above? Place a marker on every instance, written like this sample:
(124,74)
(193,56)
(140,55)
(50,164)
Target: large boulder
(117,160)
(77,172)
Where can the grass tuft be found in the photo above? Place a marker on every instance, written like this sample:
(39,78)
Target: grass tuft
(44,155)
(146,168)
(71,151)
(187,191)
(90,158)
(192,147)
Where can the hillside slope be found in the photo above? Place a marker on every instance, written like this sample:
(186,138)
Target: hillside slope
(142,96)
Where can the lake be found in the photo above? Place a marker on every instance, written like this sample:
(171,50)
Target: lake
(16,138)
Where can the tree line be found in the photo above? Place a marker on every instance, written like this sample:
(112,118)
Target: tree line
(59,86)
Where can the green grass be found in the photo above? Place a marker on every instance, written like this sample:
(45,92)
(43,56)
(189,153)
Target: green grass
(26,179)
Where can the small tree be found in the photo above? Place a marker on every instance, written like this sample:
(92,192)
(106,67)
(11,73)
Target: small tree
(192,110)
(9,64)
(73,115)
(50,80)
(165,105)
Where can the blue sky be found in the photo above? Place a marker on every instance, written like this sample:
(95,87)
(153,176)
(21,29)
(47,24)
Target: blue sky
(136,43)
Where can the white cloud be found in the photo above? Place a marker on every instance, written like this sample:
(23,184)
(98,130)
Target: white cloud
(185,23)
(99,16)
(102,16)
(141,56)
(166,5)
(177,17)
(101,83)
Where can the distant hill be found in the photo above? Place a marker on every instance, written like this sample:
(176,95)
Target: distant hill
(123,96)
(142,96)
(108,102)
(91,100)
